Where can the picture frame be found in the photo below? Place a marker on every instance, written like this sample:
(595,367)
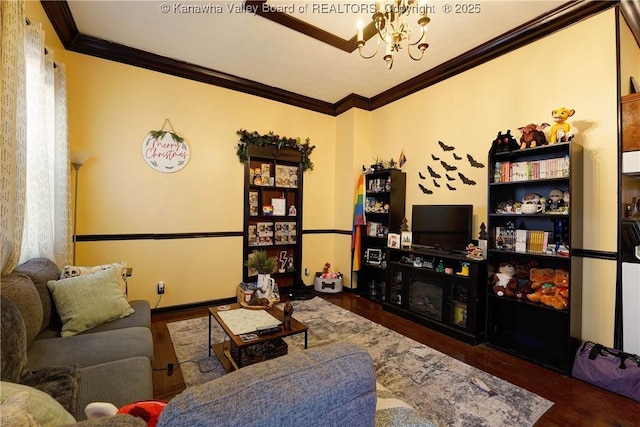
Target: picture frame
(393,240)
(373,256)
(406,239)
(279,206)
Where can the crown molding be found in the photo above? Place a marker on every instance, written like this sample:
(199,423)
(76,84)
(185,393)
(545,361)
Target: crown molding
(569,13)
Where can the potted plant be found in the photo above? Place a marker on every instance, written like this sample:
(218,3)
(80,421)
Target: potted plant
(264,265)
(261,262)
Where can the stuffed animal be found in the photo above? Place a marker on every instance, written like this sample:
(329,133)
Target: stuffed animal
(560,299)
(561,278)
(532,135)
(541,283)
(561,131)
(148,410)
(327,273)
(523,282)
(504,281)
(504,143)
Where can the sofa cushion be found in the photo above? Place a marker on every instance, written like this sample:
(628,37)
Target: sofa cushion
(23,294)
(75,270)
(91,349)
(86,301)
(43,407)
(14,341)
(120,420)
(40,271)
(120,383)
(332,385)
(14,411)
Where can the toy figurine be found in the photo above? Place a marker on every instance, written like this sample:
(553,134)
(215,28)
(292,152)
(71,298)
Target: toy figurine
(532,135)
(288,311)
(561,131)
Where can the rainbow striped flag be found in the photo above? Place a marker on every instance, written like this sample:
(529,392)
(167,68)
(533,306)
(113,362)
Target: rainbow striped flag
(359,221)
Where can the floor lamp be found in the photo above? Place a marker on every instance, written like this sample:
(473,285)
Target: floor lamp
(78,158)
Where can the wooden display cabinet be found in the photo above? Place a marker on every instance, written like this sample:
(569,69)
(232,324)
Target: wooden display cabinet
(273,210)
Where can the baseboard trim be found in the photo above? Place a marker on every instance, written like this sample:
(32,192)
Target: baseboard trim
(193,306)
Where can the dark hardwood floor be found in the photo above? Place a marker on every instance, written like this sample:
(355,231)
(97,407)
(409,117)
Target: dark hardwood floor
(576,403)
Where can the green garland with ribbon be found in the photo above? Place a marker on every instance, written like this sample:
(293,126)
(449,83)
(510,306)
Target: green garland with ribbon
(278,142)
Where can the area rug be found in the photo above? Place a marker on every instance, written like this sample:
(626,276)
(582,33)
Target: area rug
(438,386)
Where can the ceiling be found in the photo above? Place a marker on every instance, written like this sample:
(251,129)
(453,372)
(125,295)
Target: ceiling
(301,52)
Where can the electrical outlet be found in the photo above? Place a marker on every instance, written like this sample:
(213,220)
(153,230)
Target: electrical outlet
(306,271)
(160,287)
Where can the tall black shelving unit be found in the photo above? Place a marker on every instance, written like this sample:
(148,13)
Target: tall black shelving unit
(384,204)
(531,330)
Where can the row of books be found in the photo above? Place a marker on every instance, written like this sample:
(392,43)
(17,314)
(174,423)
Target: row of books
(532,169)
(535,241)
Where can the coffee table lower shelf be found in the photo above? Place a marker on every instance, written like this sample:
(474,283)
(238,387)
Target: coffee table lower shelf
(234,354)
(223,353)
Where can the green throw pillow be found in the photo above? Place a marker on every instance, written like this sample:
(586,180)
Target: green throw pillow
(41,406)
(86,301)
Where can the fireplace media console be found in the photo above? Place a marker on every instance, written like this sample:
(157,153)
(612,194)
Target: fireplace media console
(443,290)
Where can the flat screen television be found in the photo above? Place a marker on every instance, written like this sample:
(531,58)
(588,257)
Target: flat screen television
(446,227)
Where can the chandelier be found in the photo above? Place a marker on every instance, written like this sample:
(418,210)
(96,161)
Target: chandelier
(392,27)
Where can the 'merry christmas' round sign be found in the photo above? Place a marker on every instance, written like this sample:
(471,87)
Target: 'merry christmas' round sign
(165,151)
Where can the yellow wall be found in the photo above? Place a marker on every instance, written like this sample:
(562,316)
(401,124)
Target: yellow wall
(522,87)
(112,106)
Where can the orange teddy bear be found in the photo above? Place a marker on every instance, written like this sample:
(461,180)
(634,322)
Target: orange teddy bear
(561,281)
(541,283)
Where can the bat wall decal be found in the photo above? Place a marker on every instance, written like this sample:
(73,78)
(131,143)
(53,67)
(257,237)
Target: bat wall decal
(435,158)
(451,188)
(447,167)
(449,178)
(424,189)
(436,183)
(421,176)
(456,157)
(466,180)
(446,147)
(473,162)
(433,173)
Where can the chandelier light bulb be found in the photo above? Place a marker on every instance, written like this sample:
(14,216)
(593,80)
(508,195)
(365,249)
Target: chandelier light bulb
(391,21)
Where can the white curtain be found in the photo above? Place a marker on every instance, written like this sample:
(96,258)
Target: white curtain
(13,130)
(42,202)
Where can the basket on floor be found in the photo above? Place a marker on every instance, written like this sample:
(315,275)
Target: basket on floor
(258,352)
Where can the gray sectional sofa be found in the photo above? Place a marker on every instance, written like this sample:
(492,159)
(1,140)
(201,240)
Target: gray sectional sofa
(111,362)
(328,385)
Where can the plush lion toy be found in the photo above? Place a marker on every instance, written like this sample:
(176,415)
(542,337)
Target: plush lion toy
(560,131)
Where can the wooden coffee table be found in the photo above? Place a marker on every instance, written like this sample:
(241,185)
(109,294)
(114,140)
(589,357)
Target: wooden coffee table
(223,350)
